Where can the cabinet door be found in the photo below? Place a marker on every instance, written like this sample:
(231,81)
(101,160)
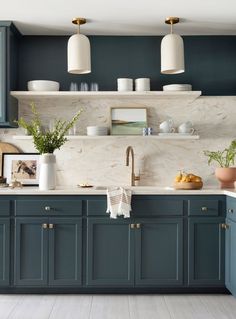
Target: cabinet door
(65,251)
(31,252)
(159,252)
(206,252)
(3,76)
(4,251)
(230,256)
(110,252)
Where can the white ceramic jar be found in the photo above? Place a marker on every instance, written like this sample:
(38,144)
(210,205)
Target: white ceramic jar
(47,174)
(124,84)
(142,84)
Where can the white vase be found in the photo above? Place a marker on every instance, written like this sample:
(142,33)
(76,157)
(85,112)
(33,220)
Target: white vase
(47,174)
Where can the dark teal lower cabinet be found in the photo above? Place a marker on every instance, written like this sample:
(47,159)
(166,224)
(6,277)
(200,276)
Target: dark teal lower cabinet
(159,252)
(230,256)
(110,252)
(146,253)
(206,252)
(4,251)
(48,251)
(31,251)
(65,251)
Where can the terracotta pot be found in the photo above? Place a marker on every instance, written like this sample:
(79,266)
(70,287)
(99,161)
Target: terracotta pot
(226,176)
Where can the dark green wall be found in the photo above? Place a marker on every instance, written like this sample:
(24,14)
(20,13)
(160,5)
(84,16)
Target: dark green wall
(210,62)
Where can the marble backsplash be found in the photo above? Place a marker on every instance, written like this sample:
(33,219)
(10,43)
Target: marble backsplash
(102,162)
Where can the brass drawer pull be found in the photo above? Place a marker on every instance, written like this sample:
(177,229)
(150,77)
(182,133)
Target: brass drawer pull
(204,209)
(230,211)
(47,208)
(138,226)
(224,226)
(132,226)
(51,226)
(44,226)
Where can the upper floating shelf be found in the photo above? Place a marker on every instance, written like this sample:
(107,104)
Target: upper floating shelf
(190,95)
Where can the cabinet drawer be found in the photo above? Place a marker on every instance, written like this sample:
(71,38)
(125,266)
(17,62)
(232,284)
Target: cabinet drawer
(48,207)
(157,207)
(231,208)
(97,207)
(4,208)
(206,207)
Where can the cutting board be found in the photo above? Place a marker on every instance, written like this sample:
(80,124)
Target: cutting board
(6,148)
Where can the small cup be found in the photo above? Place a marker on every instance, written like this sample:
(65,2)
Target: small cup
(84,86)
(124,84)
(73,86)
(166,127)
(142,84)
(145,131)
(186,128)
(94,87)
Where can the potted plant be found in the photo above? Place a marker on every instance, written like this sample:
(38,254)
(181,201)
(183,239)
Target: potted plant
(226,173)
(46,142)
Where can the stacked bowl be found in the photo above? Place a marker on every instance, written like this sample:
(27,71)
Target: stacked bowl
(97,130)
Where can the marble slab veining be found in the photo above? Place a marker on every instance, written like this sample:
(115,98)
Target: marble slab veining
(102,162)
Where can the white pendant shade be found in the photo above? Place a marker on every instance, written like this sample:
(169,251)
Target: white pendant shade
(172,54)
(78,54)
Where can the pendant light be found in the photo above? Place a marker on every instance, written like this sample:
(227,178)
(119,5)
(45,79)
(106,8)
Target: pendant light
(78,51)
(172,51)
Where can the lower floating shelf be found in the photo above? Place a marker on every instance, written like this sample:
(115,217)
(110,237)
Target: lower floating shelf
(149,137)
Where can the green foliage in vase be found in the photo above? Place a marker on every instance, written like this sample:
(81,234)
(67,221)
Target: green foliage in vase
(225,158)
(47,141)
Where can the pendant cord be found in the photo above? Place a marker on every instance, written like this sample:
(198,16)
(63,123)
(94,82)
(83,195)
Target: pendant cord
(171,27)
(78,30)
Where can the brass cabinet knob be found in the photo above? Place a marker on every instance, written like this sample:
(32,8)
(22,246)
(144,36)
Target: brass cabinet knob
(44,226)
(132,226)
(204,209)
(230,211)
(138,226)
(47,208)
(51,226)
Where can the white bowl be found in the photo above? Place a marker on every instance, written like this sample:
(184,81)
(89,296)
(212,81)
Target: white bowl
(97,130)
(177,87)
(43,85)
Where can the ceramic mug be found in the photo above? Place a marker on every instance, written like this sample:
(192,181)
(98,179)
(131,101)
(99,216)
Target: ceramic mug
(167,127)
(186,128)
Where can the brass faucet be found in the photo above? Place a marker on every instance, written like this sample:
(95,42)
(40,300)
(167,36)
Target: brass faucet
(129,151)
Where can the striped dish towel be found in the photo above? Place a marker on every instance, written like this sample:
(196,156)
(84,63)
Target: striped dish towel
(119,202)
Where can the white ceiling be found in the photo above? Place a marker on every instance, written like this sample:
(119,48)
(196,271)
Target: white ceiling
(121,17)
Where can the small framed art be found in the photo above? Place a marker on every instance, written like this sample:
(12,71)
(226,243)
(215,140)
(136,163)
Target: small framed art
(128,120)
(21,166)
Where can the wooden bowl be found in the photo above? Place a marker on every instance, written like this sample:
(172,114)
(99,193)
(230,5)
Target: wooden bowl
(190,185)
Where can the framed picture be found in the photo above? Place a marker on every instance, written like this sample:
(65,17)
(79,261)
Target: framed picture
(128,120)
(21,166)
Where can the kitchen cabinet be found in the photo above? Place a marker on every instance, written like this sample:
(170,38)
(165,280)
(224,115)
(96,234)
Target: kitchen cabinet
(8,73)
(69,243)
(4,251)
(159,252)
(110,252)
(206,251)
(230,246)
(48,251)
(137,252)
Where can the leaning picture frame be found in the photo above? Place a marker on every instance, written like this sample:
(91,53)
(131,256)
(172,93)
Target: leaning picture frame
(128,120)
(24,167)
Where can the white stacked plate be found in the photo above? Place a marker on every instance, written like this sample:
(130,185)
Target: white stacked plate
(177,87)
(97,130)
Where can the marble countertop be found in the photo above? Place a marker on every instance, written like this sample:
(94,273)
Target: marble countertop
(101,190)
